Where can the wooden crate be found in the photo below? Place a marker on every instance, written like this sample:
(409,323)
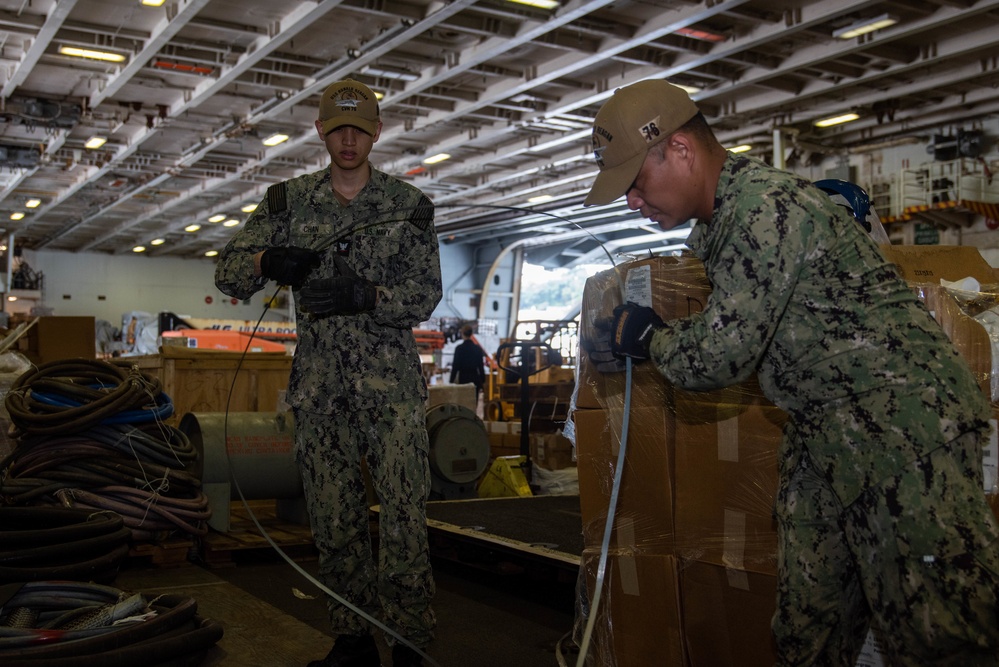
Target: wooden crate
(199,380)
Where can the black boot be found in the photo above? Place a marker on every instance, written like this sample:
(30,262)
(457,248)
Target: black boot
(351,651)
(403,656)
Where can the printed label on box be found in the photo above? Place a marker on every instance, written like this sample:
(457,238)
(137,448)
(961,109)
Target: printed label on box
(638,285)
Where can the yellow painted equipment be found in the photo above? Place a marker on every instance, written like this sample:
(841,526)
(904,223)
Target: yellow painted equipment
(505,478)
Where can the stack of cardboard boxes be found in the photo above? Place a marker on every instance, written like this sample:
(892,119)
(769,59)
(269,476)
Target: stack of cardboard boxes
(690,573)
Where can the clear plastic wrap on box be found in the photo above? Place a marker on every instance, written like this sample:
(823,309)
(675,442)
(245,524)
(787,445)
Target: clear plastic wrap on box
(691,555)
(695,495)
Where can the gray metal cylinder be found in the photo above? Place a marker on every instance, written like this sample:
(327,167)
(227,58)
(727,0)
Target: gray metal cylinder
(459,444)
(254,450)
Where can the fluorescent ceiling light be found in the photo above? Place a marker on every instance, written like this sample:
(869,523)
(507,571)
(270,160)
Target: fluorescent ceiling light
(33,203)
(95,142)
(440,157)
(836,120)
(153,3)
(865,26)
(741,148)
(91,54)
(231,222)
(157,242)
(542,4)
(16,216)
(249,208)
(275,139)
(539,199)
(139,248)
(218,217)
(12,298)
(192,228)
(211,253)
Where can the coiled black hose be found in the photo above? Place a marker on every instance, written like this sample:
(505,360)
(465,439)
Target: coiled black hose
(61,543)
(90,435)
(148,515)
(79,394)
(174,635)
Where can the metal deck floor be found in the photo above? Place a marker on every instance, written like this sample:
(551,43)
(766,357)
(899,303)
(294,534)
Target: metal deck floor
(500,602)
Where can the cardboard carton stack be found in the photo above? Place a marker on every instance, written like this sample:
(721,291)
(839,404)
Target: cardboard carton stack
(690,576)
(693,524)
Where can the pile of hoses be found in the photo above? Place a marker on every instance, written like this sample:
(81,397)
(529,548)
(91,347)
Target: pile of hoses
(57,543)
(66,624)
(90,435)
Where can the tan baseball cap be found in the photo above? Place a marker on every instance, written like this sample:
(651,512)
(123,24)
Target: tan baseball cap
(348,102)
(633,120)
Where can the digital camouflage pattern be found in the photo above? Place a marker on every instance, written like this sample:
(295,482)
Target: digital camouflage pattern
(357,386)
(393,441)
(937,610)
(803,297)
(381,234)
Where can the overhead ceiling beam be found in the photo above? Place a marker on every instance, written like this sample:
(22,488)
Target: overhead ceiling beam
(54,20)
(182,12)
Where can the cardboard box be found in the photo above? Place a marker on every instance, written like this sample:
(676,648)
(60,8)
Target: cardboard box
(644,516)
(673,286)
(725,483)
(924,267)
(638,619)
(459,394)
(53,338)
(726,616)
(551,451)
(967,334)
(929,264)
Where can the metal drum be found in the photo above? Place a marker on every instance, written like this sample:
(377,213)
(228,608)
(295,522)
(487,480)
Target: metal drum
(459,450)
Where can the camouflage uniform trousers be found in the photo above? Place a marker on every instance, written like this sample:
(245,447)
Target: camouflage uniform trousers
(917,554)
(393,441)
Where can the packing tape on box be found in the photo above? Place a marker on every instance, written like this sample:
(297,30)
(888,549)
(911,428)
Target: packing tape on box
(628,575)
(734,555)
(625,530)
(728,440)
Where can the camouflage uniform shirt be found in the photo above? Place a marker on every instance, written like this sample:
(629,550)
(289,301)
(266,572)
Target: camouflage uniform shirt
(365,359)
(802,296)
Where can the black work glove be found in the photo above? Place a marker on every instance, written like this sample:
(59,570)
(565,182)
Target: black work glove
(632,330)
(340,295)
(288,265)
(598,347)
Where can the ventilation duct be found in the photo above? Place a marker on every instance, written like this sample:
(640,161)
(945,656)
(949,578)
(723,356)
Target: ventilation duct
(36,112)
(19,156)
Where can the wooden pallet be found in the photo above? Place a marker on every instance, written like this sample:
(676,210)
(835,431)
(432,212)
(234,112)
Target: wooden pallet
(244,538)
(167,553)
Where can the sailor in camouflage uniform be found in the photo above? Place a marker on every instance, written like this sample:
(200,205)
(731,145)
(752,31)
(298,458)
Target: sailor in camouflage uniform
(881,510)
(360,250)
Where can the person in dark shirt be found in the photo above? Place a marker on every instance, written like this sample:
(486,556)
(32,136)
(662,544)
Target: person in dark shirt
(466,367)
